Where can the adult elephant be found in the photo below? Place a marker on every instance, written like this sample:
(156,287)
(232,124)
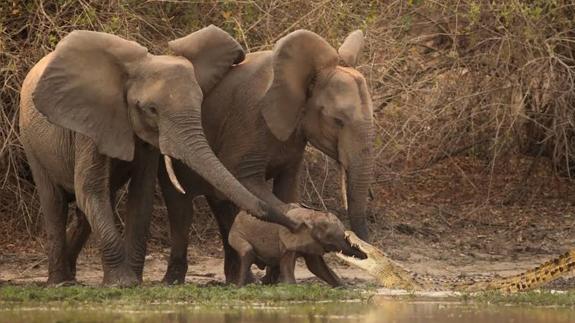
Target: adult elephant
(258,120)
(100,110)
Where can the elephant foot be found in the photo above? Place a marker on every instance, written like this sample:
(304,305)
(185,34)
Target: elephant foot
(61,282)
(234,280)
(174,279)
(251,279)
(122,276)
(269,280)
(59,278)
(176,273)
(68,283)
(272,276)
(232,270)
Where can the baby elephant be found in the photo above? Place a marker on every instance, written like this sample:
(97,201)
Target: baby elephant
(271,245)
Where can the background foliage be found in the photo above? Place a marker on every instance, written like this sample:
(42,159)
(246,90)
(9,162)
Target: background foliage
(488,81)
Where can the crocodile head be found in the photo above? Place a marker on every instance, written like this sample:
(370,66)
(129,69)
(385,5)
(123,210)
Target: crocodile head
(388,273)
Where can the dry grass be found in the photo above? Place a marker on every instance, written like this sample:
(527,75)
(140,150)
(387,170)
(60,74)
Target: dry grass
(482,79)
(489,80)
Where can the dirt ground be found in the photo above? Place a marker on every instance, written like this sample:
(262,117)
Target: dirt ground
(32,268)
(203,269)
(455,221)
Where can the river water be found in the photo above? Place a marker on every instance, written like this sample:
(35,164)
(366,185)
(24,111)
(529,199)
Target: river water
(380,310)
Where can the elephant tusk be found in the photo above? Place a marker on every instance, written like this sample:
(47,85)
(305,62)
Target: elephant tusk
(343,186)
(172,174)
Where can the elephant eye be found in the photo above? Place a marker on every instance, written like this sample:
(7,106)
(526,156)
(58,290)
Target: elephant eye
(339,122)
(153,109)
(149,108)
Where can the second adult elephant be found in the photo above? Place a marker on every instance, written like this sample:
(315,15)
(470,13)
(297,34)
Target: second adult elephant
(259,119)
(100,109)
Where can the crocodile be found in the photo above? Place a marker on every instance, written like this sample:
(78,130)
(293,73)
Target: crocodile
(547,272)
(391,275)
(388,273)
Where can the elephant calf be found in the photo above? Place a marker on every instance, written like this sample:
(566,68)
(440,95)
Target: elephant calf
(276,247)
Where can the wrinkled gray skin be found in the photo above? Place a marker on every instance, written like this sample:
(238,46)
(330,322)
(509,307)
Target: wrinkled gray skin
(100,110)
(272,246)
(259,119)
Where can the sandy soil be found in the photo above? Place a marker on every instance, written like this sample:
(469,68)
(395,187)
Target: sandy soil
(32,268)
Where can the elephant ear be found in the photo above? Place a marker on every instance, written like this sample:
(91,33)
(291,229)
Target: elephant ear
(212,51)
(297,58)
(301,241)
(351,48)
(83,89)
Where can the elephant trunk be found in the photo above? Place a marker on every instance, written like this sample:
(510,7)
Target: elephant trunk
(182,137)
(359,169)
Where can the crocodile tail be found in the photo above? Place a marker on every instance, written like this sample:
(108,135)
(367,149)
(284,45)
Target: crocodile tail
(531,279)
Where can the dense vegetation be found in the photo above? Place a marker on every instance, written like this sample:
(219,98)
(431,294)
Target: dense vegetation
(490,80)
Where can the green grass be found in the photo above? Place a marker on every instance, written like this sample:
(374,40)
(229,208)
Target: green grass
(535,298)
(186,293)
(214,295)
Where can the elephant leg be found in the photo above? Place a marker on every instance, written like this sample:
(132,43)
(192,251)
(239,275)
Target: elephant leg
(139,205)
(246,256)
(272,275)
(245,273)
(286,189)
(76,236)
(318,267)
(55,209)
(92,187)
(287,268)
(180,212)
(225,213)
(286,183)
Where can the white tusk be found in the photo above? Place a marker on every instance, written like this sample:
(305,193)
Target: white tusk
(172,174)
(343,186)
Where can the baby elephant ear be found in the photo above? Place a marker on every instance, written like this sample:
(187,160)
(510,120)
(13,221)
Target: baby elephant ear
(212,51)
(83,87)
(351,47)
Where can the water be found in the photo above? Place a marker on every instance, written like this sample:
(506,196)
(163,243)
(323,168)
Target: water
(380,311)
